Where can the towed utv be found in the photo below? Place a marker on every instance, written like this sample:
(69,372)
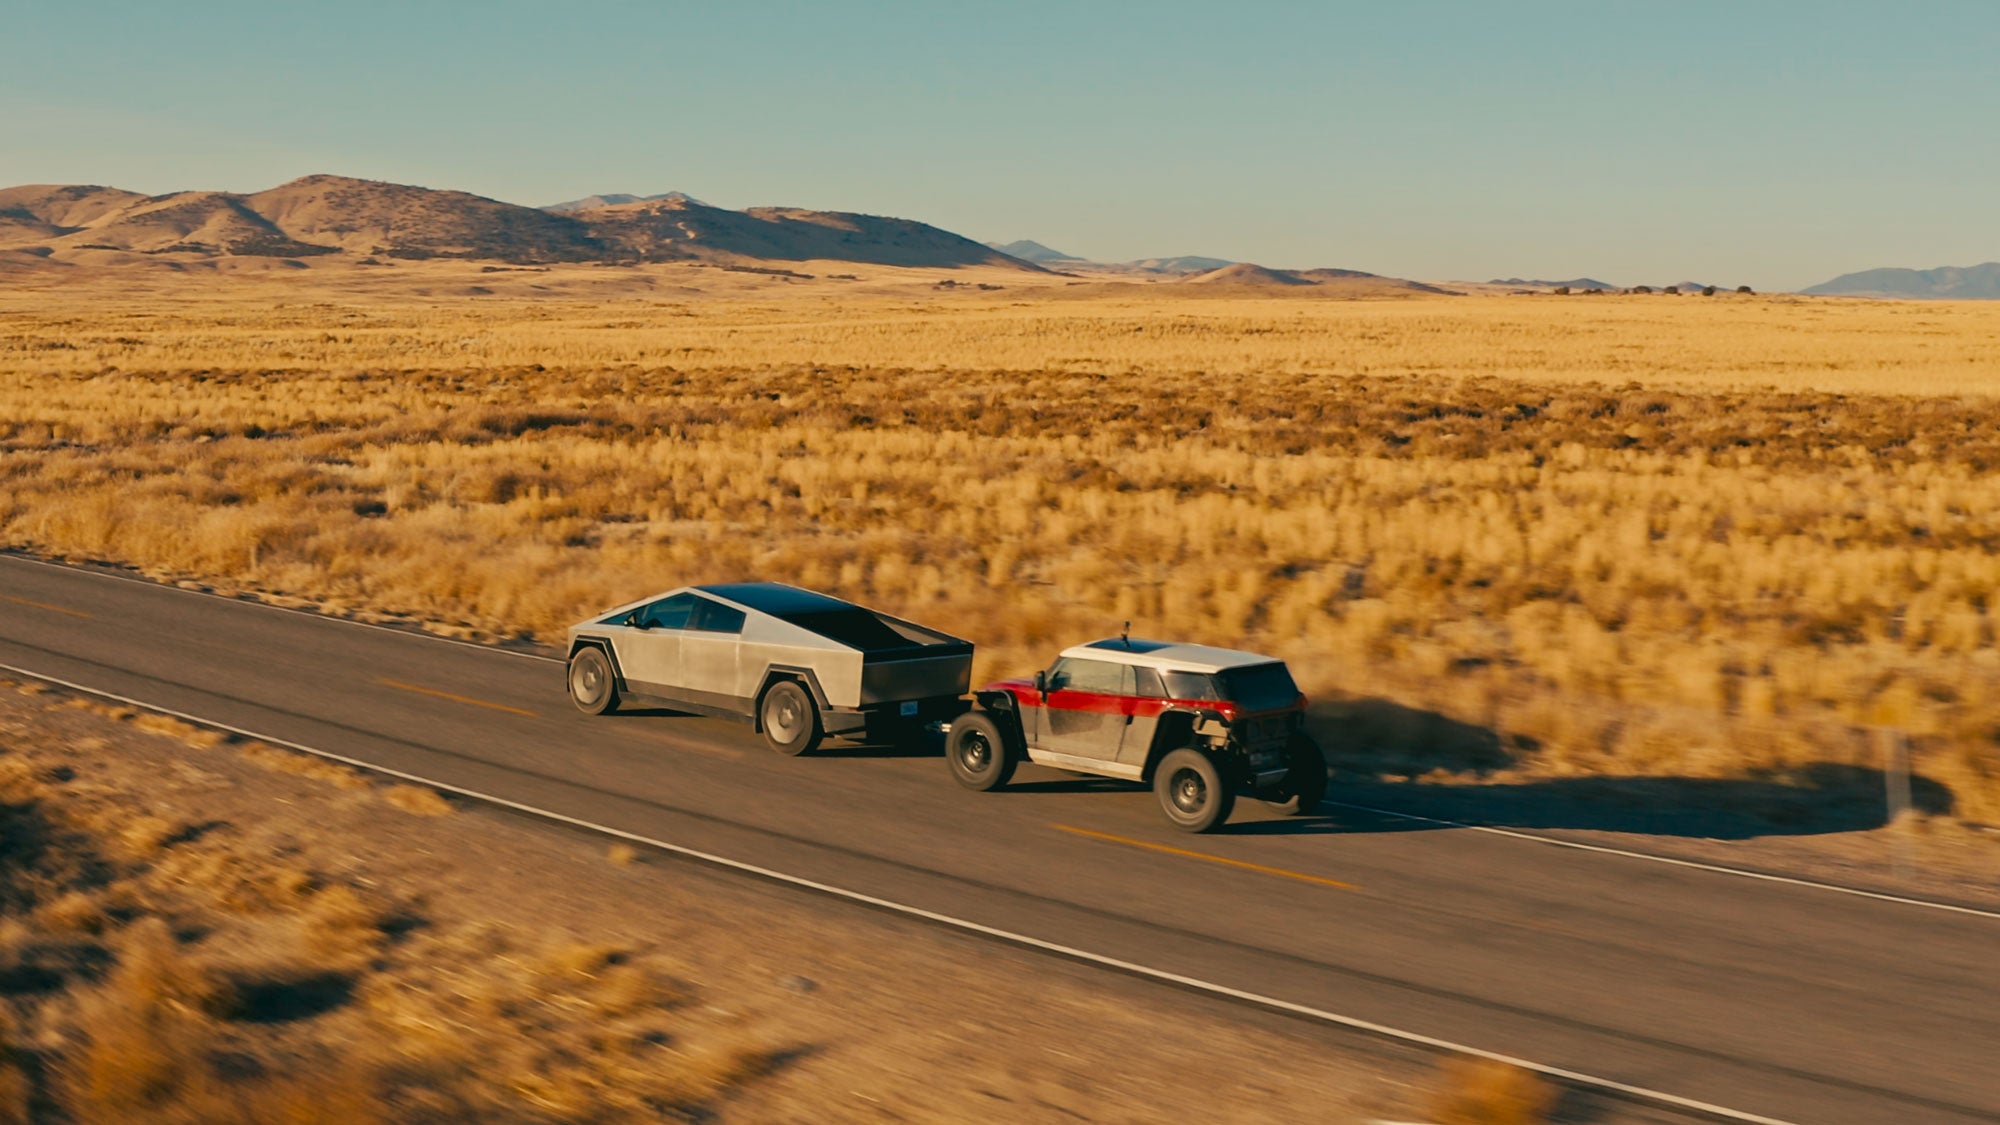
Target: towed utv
(1198,724)
(795,664)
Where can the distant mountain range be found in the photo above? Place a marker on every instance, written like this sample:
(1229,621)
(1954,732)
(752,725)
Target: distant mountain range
(324,215)
(1573,283)
(1029,250)
(1973,283)
(1355,282)
(618,198)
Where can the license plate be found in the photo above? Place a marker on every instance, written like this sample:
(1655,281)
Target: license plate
(910,710)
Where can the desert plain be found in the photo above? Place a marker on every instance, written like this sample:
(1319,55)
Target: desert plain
(1649,535)
(1714,543)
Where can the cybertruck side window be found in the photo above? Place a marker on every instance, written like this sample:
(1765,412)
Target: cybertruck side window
(714,617)
(667,613)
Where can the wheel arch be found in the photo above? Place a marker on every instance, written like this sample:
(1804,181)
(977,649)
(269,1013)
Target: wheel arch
(603,645)
(776,673)
(1174,731)
(1001,707)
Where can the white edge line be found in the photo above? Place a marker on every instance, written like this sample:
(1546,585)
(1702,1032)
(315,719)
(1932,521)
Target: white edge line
(423,636)
(1696,864)
(141,580)
(1069,951)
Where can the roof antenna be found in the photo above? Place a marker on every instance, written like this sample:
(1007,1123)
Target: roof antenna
(1125,636)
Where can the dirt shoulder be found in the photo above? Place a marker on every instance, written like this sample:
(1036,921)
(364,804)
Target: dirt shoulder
(193,928)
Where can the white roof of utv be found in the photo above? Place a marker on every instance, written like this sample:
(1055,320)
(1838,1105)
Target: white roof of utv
(1167,655)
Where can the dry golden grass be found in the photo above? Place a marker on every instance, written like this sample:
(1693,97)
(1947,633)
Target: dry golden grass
(1484,1092)
(1432,503)
(163,971)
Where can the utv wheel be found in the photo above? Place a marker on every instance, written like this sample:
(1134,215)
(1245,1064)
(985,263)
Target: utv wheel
(790,721)
(1304,786)
(591,685)
(978,753)
(1191,791)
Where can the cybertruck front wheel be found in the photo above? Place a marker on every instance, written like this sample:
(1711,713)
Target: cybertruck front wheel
(591,686)
(790,721)
(1191,791)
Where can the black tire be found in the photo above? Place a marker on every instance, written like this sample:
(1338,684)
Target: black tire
(978,752)
(1191,791)
(1304,786)
(592,687)
(789,719)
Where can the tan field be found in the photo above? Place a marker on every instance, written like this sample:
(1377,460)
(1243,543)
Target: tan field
(1636,535)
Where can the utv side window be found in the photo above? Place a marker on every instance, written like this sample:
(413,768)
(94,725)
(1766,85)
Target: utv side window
(714,617)
(1147,685)
(1191,686)
(667,613)
(1100,677)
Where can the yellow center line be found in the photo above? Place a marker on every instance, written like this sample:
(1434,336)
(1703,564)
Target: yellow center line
(43,605)
(455,698)
(1184,852)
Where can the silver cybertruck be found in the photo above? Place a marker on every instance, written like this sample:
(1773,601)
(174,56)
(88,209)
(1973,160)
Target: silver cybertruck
(797,665)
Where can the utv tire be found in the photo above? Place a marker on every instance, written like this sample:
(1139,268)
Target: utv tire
(978,752)
(592,687)
(1191,791)
(789,719)
(1304,786)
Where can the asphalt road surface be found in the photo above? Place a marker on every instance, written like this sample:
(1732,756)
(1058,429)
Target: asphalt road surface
(1796,1003)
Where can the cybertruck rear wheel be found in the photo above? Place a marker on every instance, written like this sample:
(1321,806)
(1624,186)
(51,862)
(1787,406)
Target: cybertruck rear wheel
(1191,791)
(790,721)
(978,753)
(1304,786)
(591,686)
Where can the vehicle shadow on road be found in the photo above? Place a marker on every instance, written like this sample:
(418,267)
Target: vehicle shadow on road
(1390,757)
(841,748)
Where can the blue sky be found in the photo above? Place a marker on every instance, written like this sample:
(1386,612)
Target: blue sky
(1770,143)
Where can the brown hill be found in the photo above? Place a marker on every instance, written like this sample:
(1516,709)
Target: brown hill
(65,207)
(192,222)
(321,215)
(1333,282)
(673,229)
(399,220)
(1245,273)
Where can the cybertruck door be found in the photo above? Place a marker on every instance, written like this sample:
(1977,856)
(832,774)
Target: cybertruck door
(711,655)
(1084,715)
(649,651)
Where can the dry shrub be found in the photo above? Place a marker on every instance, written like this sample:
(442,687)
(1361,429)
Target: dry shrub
(622,855)
(201,738)
(15,1089)
(143,1036)
(1489,1092)
(417,800)
(306,765)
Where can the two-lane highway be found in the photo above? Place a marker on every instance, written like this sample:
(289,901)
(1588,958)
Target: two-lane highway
(1788,1001)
